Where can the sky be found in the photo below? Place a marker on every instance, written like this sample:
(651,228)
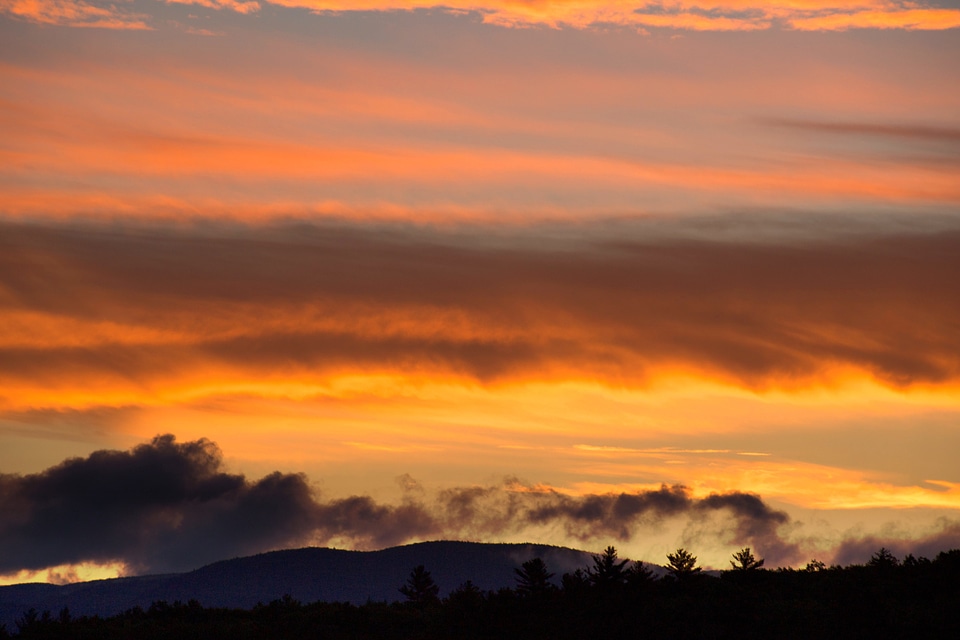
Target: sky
(358,274)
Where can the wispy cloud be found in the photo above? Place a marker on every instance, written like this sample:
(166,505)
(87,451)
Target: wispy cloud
(699,15)
(917,131)
(210,128)
(248,6)
(655,451)
(77,13)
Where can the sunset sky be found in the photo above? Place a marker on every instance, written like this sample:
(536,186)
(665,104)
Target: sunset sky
(357,274)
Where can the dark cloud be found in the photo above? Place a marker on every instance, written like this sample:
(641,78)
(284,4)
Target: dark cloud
(167,506)
(547,301)
(161,506)
(374,526)
(756,524)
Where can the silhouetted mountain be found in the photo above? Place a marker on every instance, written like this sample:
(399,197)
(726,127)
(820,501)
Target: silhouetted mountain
(307,575)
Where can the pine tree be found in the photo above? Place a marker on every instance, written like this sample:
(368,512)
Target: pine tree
(533,578)
(744,560)
(682,564)
(607,569)
(420,589)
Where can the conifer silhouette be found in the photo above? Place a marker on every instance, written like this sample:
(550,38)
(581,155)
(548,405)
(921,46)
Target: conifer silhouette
(420,589)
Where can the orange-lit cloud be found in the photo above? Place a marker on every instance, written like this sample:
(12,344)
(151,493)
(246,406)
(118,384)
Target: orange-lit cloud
(700,15)
(379,133)
(906,17)
(93,307)
(249,6)
(162,156)
(76,13)
(325,130)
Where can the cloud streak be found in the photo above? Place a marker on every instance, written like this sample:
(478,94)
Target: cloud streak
(90,307)
(182,126)
(918,132)
(699,15)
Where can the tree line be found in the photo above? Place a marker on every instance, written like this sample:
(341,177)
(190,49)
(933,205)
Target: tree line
(885,598)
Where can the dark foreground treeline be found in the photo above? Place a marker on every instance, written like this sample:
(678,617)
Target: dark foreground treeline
(887,598)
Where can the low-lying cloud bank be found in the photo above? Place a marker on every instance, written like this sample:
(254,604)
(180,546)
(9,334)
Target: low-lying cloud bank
(169,506)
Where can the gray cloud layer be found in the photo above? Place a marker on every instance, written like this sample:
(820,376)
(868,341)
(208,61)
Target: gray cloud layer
(555,298)
(167,506)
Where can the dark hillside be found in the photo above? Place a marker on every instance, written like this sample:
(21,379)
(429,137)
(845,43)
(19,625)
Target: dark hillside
(308,575)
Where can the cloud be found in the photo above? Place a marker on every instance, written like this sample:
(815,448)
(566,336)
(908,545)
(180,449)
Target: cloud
(76,13)
(747,519)
(67,424)
(390,132)
(160,506)
(171,506)
(251,6)
(915,131)
(228,303)
(699,15)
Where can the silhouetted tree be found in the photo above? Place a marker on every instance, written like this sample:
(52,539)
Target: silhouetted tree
(607,569)
(883,559)
(533,579)
(744,560)
(638,574)
(464,609)
(815,565)
(575,583)
(682,564)
(28,622)
(918,599)
(911,561)
(420,589)
(466,592)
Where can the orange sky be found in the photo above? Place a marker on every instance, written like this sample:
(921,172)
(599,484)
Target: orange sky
(542,252)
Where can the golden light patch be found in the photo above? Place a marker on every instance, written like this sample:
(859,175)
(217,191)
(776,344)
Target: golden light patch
(67,573)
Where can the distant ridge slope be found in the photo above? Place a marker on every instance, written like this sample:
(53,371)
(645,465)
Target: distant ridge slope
(307,575)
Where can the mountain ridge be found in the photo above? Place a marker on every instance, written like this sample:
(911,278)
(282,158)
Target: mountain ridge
(306,574)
